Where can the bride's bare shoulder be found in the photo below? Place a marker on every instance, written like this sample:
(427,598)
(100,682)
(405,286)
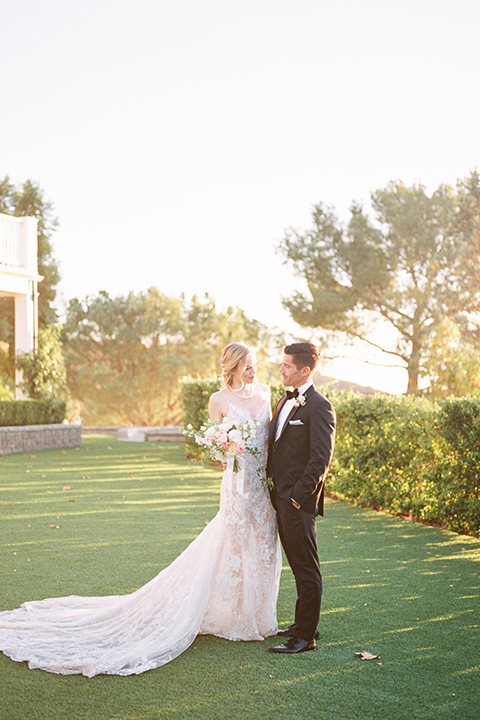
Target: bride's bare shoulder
(218,405)
(219,396)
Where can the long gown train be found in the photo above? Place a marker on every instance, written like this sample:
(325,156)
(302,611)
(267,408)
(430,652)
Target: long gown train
(225,583)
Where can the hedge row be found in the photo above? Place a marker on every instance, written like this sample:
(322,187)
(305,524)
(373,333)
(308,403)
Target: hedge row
(195,394)
(407,456)
(410,457)
(31,412)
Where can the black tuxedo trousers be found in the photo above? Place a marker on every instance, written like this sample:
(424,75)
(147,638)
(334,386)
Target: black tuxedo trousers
(297,463)
(298,534)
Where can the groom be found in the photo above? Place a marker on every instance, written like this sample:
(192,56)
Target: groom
(300,449)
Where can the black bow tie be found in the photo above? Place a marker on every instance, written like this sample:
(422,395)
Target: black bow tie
(292,394)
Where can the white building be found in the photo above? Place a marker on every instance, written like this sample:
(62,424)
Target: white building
(19,279)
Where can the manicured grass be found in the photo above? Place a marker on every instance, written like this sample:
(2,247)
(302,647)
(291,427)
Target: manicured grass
(408,592)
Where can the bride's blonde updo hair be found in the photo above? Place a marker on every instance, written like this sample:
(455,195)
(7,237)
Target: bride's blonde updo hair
(231,356)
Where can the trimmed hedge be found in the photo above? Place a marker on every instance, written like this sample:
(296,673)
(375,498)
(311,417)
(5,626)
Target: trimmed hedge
(405,455)
(383,448)
(31,412)
(455,489)
(410,457)
(195,394)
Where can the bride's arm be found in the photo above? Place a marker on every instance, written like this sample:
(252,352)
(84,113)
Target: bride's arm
(215,411)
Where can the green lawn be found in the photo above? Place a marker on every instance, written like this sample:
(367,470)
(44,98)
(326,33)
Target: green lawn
(122,511)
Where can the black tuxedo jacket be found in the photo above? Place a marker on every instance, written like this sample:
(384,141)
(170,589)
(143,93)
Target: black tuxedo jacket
(298,461)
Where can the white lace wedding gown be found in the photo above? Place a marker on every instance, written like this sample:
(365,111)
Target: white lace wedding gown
(225,583)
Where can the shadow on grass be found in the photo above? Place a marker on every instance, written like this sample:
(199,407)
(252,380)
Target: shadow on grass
(405,591)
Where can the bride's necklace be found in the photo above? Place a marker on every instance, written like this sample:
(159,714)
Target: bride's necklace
(242,397)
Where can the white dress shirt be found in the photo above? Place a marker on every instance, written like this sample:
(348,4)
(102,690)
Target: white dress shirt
(287,407)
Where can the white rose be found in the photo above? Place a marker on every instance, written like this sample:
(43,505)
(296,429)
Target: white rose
(235,435)
(210,432)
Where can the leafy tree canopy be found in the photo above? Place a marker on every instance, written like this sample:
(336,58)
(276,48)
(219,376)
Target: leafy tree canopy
(126,355)
(415,264)
(451,362)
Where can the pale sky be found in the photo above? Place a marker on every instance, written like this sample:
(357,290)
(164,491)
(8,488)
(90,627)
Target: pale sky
(178,140)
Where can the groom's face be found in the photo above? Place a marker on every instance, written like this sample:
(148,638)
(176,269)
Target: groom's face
(292,376)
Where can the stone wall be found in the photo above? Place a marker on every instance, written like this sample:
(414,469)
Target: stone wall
(26,438)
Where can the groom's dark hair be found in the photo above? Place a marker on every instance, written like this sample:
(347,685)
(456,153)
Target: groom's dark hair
(303,354)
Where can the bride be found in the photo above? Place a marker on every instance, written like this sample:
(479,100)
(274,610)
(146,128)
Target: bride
(225,583)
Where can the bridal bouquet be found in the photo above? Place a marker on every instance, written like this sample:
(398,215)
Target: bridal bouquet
(220,440)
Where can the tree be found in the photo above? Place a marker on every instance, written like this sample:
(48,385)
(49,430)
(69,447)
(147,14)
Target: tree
(126,355)
(416,264)
(29,200)
(44,375)
(451,362)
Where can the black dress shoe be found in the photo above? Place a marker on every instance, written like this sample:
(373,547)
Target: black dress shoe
(290,632)
(294,645)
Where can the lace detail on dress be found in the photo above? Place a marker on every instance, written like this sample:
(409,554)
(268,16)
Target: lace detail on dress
(225,583)
(242,605)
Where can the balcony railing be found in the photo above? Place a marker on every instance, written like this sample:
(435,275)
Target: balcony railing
(18,243)
(10,240)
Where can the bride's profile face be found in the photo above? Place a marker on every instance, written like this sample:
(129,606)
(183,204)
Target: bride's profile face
(245,371)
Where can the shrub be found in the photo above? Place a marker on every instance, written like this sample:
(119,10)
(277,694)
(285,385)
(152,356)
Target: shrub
(6,393)
(32,412)
(453,493)
(44,375)
(384,447)
(410,457)
(195,394)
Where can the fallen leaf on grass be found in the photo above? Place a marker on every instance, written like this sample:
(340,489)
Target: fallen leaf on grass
(85,477)
(364,655)
(72,500)
(53,526)
(66,487)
